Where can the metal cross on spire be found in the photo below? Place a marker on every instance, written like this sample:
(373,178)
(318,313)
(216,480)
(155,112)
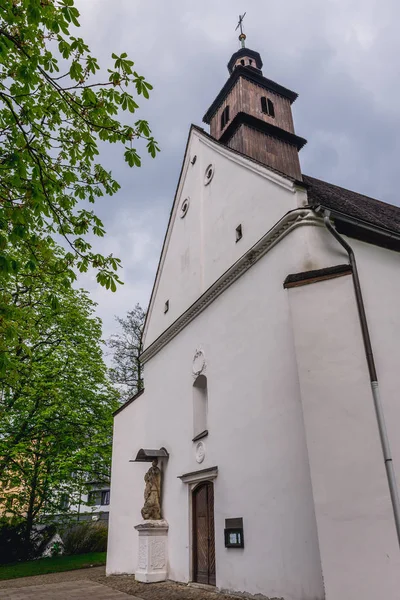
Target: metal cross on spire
(242,35)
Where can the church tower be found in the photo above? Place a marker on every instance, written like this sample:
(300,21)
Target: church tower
(253,115)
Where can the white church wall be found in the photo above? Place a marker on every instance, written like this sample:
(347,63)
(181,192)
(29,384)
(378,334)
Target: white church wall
(359,549)
(202,245)
(126,489)
(379,270)
(256,438)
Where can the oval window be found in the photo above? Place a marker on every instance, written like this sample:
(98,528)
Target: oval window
(209,174)
(184,208)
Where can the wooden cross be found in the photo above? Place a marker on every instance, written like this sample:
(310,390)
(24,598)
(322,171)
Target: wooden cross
(240,24)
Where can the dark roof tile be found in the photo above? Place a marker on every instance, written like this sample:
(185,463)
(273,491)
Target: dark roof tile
(357,206)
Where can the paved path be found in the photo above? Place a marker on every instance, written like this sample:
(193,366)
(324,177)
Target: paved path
(92,584)
(66,590)
(93,573)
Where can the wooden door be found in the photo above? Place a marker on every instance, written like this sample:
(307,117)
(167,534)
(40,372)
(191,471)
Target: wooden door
(203,534)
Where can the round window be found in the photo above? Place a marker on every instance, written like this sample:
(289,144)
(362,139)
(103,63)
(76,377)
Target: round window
(209,174)
(184,207)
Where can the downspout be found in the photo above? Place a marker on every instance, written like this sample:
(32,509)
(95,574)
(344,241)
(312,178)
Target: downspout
(394,494)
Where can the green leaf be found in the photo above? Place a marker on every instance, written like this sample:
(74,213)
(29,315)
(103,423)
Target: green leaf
(152,148)
(132,157)
(89,96)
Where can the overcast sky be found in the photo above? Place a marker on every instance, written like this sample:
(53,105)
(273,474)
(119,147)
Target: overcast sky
(340,56)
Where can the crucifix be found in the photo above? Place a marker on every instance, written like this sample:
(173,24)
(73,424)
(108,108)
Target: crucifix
(242,35)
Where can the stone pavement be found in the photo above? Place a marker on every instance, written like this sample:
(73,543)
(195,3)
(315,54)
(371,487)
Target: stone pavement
(66,590)
(92,584)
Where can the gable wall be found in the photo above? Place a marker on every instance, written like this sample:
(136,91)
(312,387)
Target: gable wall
(202,246)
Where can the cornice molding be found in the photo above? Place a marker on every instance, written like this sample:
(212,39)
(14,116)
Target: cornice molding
(292,220)
(243,118)
(198,476)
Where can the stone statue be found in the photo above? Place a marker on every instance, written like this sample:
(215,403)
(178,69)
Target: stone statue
(152,493)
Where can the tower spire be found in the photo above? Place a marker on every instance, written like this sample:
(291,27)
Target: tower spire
(242,36)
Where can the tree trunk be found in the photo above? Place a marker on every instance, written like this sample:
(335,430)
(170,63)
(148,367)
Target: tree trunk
(31,504)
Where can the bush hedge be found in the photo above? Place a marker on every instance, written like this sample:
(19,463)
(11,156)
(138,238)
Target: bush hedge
(14,545)
(85,537)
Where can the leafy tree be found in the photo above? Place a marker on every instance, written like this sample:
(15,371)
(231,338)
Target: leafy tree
(53,113)
(55,110)
(126,370)
(56,401)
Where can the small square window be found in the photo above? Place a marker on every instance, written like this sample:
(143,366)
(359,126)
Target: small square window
(239,233)
(166,307)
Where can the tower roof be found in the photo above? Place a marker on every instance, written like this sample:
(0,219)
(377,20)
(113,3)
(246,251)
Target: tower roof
(245,52)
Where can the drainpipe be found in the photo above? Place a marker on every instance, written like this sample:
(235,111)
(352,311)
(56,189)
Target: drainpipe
(394,494)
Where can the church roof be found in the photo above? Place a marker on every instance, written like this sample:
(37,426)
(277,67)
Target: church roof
(354,209)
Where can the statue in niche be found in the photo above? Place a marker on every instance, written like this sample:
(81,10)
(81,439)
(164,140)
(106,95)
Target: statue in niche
(152,493)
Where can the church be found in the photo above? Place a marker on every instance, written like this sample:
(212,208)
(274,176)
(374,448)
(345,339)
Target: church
(271,348)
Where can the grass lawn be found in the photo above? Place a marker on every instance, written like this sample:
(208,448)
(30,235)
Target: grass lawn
(52,565)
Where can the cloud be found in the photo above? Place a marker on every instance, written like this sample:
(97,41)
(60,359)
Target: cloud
(339,55)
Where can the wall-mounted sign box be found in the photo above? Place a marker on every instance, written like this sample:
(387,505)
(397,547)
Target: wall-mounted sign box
(234,533)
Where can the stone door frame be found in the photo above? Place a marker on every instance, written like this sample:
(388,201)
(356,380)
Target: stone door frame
(193,480)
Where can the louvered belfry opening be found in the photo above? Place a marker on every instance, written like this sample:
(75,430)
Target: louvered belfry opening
(203,534)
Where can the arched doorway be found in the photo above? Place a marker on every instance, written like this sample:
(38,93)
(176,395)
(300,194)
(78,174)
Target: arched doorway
(203,534)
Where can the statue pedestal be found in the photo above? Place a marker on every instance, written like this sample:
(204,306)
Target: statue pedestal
(153,551)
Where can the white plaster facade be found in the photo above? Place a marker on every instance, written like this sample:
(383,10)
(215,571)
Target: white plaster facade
(291,425)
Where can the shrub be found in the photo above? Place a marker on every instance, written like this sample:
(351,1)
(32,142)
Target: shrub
(13,546)
(86,537)
(13,543)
